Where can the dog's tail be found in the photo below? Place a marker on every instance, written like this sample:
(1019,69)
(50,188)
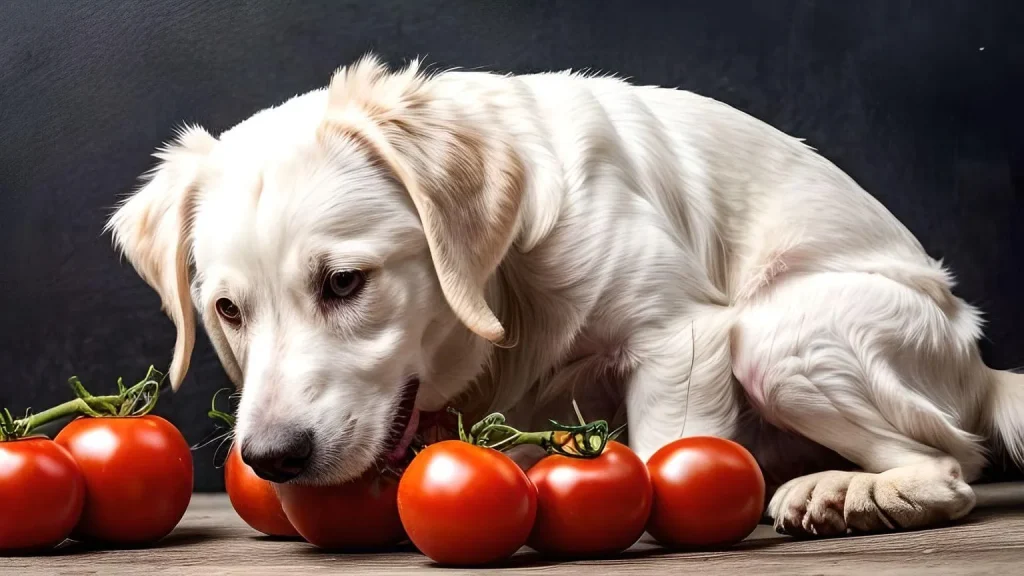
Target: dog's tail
(1005,410)
(1006,413)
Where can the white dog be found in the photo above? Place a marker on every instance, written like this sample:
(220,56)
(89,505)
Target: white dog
(398,242)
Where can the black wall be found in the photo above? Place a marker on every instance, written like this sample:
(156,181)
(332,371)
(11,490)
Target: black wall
(918,101)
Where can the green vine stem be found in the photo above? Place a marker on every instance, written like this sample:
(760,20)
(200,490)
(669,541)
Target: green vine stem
(225,418)
(138,400)
(585,440)
(224,429)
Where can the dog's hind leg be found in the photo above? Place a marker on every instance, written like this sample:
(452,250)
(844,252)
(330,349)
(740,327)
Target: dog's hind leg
(879,373)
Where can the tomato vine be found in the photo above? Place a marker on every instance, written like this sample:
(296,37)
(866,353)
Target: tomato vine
(583,440)
(137,400)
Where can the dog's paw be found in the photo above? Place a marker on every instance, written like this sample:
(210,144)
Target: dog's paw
(835,503)
(911,497)
(811,505)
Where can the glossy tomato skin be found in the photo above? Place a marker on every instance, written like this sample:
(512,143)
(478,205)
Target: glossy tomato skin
(466,505)
(708,492)
(42,493)
(254,499)
(138,477)
(356,516)
(590,507)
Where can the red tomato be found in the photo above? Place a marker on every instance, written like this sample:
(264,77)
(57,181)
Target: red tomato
(590,507)
(138,477)
(41,494)
(466,505)
(254,499)
(707,492)
(357,515)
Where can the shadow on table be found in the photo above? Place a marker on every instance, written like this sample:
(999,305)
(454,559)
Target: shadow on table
(643,549)
(403,548)
(180,537)
(269,538)
(528,558)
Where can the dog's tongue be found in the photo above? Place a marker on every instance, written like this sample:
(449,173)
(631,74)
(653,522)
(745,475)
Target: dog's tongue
(410,431)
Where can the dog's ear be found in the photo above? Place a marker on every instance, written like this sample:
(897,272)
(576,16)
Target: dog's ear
(153,229)
(467,188)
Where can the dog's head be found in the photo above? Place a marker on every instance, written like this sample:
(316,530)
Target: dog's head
(337,249)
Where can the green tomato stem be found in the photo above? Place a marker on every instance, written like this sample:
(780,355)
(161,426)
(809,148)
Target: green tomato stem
(225,418)
(586,440)
(125,403)
(79,406)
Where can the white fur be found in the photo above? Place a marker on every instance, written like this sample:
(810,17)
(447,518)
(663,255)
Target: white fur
(658,255)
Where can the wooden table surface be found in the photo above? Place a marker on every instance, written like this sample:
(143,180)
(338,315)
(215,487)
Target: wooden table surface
(212,540)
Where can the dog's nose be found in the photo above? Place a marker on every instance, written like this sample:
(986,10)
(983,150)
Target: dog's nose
(281,462)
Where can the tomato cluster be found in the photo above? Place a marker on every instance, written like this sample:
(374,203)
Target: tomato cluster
(114,476)
(467,505)
(119,476)
(463,503)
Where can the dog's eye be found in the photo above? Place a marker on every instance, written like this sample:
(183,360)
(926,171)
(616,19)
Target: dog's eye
(229,312)
(343,285)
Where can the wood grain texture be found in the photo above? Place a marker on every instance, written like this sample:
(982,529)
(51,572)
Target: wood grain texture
(212,540)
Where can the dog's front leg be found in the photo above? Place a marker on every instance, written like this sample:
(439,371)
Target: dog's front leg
(683,383)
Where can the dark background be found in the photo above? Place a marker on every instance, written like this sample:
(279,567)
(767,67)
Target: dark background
(918,101)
